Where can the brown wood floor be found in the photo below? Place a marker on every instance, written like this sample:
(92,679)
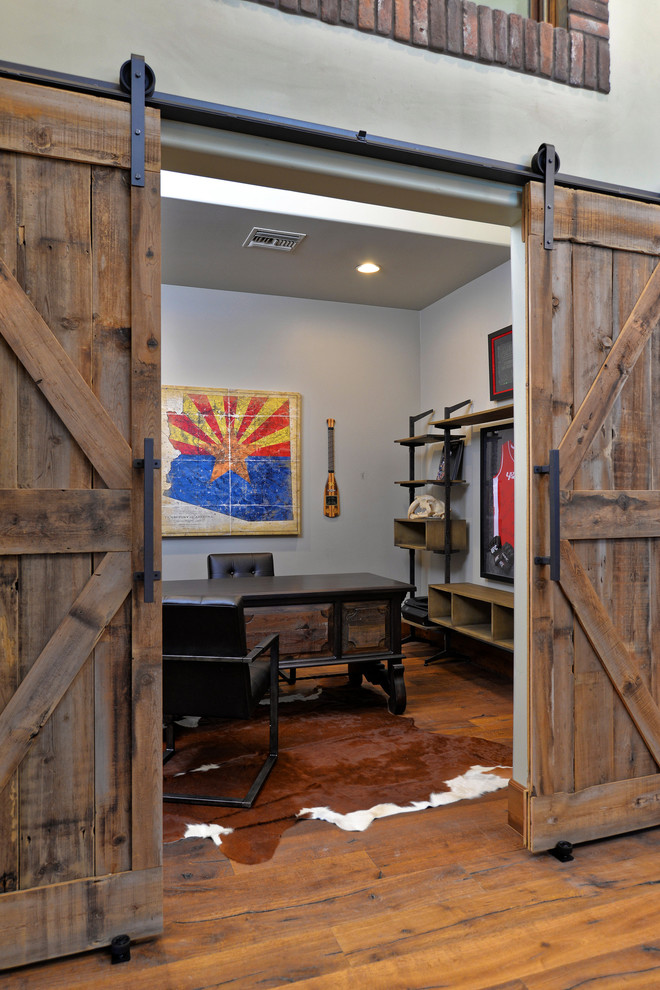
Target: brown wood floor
(444,898)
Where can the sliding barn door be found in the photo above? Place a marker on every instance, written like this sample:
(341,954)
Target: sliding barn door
(594,394)
(80,812)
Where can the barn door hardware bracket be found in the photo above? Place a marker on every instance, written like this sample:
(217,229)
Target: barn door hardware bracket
(120,949)
(552,469)
(149,463)
(138,79)
(563,851)
(546,163)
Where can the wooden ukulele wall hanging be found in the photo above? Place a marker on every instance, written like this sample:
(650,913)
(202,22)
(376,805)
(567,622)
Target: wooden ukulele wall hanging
(331,494)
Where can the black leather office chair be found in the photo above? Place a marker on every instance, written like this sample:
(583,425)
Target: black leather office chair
(237,565)
(207,671)
(221,565)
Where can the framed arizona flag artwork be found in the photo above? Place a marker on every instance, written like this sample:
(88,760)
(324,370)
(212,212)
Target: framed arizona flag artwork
(230,462)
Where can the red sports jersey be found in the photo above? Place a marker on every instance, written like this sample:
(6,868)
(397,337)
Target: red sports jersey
(503,483)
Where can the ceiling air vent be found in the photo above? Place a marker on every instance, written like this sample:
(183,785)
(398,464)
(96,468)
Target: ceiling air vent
(274,240)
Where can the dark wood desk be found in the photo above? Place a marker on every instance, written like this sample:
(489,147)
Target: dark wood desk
(322,619)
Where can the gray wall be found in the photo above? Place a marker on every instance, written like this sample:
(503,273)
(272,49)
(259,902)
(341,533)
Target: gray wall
(357,364)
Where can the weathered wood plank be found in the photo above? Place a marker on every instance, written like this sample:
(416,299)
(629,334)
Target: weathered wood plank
(54,269)
(605,639)
(54,123)
(631,560)
(562,665)
(612,515)
(62,384)
(146,838)
(63,656)
(89,912)
(633,422)
(10,566)
(606,221)
(550,307)
(111,289)
(55,521)
(611,378)
(8,360)
(604,809)
(113,745)
(539,298)
(593,697)
(111,382)
(9,582)
(654,556)
(304,631)
(56,840)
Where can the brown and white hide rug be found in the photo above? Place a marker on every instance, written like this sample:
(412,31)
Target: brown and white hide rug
(342,758)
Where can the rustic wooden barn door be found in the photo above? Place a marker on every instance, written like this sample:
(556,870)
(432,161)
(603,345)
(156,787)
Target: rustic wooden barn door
(80,778)
(594,394)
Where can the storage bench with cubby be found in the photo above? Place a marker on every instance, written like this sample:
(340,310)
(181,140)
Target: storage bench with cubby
(474,610)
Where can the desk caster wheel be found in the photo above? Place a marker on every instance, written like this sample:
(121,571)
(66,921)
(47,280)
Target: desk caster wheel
(397,699)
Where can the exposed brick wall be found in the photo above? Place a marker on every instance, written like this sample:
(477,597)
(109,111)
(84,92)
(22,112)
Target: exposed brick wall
(578,55)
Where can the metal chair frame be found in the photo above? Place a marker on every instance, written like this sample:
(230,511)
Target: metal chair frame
(270,644)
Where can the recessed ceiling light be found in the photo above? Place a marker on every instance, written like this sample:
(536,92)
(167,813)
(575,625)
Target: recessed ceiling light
(368,268)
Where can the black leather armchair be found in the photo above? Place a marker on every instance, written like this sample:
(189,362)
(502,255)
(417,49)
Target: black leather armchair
(221,565)
(207,671)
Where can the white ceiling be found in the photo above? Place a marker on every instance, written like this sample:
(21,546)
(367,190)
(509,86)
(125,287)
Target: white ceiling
(422,258)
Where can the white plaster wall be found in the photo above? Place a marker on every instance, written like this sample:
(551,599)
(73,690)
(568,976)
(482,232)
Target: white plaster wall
(454,366)
(357,364)
(246,55)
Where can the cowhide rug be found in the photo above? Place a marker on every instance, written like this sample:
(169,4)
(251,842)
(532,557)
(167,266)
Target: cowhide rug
(343,757)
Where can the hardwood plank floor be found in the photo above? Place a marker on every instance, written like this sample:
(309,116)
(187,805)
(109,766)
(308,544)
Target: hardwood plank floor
(442,898)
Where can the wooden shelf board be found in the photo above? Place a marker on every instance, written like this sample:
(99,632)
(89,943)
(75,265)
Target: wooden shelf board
(442,621)
(476,631)
(494,415)
(420,440)
(420,546)
(479,592)
(431,481)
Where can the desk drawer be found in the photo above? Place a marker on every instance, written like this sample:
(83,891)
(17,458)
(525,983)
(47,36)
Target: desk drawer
(365,627)
(305,630)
